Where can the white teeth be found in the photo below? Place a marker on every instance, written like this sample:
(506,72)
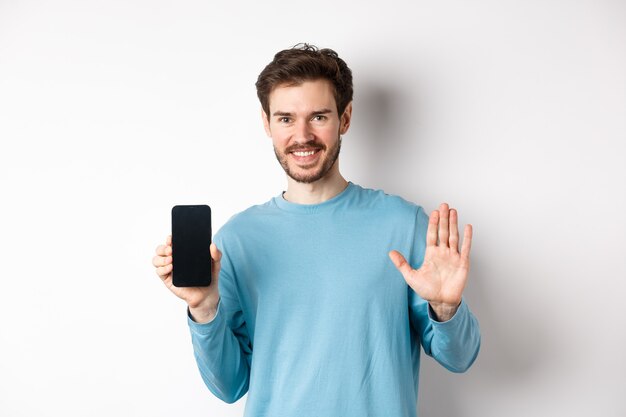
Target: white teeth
(304,153)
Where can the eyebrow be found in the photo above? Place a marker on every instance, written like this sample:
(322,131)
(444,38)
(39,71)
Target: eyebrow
(316,112)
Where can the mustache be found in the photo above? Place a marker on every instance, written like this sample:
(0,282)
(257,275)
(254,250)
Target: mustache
(304,148)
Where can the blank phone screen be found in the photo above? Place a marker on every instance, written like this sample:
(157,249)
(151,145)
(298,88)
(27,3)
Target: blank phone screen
(191,238)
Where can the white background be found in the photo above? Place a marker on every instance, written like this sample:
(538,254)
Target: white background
(113,111)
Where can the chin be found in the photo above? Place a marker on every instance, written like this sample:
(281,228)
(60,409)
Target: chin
(306,178)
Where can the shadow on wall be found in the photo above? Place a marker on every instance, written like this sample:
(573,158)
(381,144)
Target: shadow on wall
(514,342)
(513,347)
(380,132)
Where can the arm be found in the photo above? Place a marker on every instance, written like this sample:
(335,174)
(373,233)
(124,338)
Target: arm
(218,332)
(453,343)
(222,349)
(448,331)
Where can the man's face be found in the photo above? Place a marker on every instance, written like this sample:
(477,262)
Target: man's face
(305,128)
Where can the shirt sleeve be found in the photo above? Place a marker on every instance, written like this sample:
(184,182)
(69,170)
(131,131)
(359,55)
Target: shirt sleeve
(454,343)
(222,347)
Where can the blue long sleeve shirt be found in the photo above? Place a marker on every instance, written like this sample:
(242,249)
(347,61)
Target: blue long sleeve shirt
(315,320)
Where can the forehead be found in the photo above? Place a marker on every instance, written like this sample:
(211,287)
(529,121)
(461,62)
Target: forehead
(304,97)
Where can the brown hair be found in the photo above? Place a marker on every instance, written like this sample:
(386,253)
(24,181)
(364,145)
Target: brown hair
(302,63)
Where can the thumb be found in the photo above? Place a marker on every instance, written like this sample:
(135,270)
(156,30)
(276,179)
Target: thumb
(400,262)
(215,253)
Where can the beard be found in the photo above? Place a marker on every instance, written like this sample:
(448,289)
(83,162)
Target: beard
(313,174)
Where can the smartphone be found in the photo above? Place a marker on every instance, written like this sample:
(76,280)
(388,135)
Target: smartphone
(191,238)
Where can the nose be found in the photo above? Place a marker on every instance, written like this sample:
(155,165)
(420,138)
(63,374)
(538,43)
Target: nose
(303,132)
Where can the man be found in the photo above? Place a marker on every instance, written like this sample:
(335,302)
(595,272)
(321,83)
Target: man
(313,309)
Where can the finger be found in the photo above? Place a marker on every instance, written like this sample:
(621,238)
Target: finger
(163,250)
(454,230)
(444,232)
(467,242)
(400,262)
(168,245)
(164,271)
(431,234)
(161,260)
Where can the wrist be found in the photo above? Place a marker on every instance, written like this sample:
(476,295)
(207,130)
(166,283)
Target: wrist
(443,311)
(204,312)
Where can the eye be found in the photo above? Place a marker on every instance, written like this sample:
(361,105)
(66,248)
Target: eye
(319,118)
(284,119)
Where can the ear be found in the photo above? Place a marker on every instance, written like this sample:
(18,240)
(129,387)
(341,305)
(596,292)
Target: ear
(345,119)
(266,123)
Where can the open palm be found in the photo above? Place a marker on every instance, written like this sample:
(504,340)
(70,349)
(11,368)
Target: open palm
(443,274)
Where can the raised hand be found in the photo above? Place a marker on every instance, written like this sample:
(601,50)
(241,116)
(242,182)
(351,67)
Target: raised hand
(202,301)
(443,274)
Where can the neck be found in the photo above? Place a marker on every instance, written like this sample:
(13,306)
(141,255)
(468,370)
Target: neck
(316,192)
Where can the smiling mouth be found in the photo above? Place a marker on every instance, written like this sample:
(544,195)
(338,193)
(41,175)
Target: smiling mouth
(304,153)
(305,157)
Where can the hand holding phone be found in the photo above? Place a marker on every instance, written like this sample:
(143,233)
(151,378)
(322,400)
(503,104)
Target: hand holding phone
(202,300)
